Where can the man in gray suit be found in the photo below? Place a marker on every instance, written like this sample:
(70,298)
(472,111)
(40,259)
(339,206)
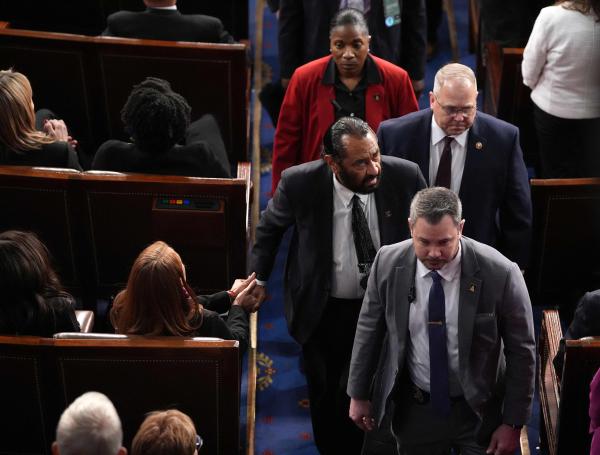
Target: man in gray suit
(328,259)
(452,320)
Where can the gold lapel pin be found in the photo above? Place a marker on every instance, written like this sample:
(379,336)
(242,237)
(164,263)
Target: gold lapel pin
(478,145)
(472,288)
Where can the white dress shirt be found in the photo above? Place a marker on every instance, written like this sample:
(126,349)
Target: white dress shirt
(418,352)
(345,277)
(459,155)
(561,63)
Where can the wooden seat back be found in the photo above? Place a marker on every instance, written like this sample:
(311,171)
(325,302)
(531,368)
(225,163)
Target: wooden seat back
(39,200)
(96,223)
(89,17)
(27,397)
(200,378)
(507,98)
(205,220)
(566,222)
(42,376)
(86,80)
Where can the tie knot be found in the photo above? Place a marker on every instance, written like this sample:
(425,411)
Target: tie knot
(448,140)
(436,277)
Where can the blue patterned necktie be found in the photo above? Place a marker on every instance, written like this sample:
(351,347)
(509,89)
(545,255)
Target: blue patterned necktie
(438,351)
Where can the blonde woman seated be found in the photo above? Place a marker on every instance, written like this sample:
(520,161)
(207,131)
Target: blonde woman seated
(20,142)
(158,301)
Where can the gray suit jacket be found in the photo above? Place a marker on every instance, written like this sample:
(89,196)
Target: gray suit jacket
(495,329)
(304,199)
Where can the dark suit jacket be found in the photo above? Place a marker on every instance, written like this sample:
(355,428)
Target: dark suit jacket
(495,192)
(304,34)
(195,160)
(496,342)
(304,199)
(169,25)
(55,154)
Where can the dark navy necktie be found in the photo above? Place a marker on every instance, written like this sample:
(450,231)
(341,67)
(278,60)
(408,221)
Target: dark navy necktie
(365,250)
(444,173)
(438,351)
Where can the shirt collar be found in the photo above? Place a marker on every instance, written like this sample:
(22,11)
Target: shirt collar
(346,195)
(173,7)
(449,272)
(437,134)
(371,72)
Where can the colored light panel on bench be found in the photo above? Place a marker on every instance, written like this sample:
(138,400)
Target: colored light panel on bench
(179,203)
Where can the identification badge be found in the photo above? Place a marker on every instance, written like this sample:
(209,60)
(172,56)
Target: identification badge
(391,12)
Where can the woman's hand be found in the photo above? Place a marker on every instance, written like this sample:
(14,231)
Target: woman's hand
(239,285)
(57,129)
(246,297)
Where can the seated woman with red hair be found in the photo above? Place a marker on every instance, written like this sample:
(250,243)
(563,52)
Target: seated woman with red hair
(159,301)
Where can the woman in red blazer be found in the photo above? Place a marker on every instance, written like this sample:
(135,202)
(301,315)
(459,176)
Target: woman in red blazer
(349,82)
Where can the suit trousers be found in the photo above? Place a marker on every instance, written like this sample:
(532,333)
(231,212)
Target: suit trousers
(326,363)
(419,430)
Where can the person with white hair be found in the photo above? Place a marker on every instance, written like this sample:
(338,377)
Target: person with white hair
(90,425)
(474,154)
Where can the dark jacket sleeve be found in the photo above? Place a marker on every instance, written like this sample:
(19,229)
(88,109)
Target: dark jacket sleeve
(219,302)
(73,159)
(275,220)
(291,36)
(515,214)
(235,327)
(414,38)
(65,319)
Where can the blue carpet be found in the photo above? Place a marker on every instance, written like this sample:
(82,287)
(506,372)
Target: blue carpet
(282,413)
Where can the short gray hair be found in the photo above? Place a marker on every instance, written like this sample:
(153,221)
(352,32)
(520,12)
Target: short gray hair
(89,425)
(434,203)
(453,71)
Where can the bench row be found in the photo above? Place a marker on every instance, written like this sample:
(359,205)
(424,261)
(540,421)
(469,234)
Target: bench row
(96,223)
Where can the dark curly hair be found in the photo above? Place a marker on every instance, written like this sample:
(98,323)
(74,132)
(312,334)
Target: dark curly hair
(155,116)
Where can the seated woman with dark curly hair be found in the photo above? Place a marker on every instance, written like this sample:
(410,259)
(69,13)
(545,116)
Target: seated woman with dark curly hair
(20,142)
(32,301)
(158,301)
(158,121)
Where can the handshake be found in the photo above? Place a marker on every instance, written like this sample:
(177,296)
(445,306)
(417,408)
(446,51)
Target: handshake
(247,293)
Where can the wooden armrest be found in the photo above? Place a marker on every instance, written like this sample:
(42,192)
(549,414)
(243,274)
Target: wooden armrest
(550,336)
(85,319)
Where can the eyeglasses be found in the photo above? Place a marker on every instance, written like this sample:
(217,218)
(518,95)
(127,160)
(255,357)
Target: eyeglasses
(199,442)
(454,111)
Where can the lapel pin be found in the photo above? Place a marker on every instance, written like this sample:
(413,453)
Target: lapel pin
(472,288)
(388,213)
(478,145)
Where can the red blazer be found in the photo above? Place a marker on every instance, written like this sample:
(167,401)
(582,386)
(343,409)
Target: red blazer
(307,112)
